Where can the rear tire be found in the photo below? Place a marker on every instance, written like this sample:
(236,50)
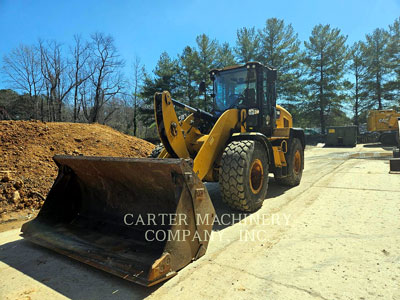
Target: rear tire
(156,151)
(243,175)
(295,164)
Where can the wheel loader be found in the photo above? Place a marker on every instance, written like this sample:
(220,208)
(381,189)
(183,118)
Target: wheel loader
(144,219)
(384,122)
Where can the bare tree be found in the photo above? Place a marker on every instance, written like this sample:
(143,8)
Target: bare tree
(83,93)
(82,69)
(23,73)
(58,77)
(107,80)
(138,72)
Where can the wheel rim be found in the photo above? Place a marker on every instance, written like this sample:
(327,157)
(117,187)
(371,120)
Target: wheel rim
(256,176)
(297,162)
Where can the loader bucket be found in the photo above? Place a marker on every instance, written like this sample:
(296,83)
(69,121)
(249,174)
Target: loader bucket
(140,219)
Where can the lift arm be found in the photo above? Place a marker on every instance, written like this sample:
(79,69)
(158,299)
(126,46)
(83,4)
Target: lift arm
(177,139)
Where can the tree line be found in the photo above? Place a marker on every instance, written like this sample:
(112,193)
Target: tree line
(321,80)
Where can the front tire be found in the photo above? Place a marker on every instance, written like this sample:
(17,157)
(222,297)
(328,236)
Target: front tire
(295,163)
(244,175)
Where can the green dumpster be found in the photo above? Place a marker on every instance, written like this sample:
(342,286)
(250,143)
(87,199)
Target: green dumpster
(341,136)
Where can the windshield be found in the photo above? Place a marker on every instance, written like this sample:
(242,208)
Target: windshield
(233,87)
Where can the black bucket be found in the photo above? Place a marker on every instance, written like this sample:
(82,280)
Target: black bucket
(140,219)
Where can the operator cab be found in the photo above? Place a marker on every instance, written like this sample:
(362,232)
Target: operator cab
(250,86)
(232,88)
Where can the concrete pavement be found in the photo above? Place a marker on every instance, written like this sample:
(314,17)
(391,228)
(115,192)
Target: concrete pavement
(336,236)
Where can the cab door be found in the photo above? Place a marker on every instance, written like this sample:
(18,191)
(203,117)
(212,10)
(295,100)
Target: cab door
(268,99)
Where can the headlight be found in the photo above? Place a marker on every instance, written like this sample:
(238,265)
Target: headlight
(253,111)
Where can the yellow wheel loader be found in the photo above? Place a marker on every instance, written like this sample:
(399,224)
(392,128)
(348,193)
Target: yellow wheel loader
(144,219)
(384,122)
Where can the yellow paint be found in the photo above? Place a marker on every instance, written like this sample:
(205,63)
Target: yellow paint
(164,154)
(191,134)
(279,157)
(173,129)
(280,122)
(243,116)
(187,141)
(210,176)
(197,143)
(382,120)
(219,135)
(280,133)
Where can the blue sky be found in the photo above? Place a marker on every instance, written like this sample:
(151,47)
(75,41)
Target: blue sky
(147,28)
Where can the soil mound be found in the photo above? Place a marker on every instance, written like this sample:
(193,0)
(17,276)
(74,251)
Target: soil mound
(27,169)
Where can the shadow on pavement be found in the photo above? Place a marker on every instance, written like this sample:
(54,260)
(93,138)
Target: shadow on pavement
(66,276)
(231,216)
(77,280)
(329,146)
(379,145)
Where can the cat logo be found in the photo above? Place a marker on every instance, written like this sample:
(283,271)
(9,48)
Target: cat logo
(384,120)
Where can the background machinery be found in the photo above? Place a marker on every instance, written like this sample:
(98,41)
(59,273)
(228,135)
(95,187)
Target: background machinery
(101,210)
(384,122)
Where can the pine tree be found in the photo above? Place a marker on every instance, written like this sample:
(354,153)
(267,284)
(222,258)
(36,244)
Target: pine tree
(326,54)
(247,45)
(358,69)
(280,48)
(225,56)
(207,53)
(393,85)
(188,68)
(376,58)
(165,79)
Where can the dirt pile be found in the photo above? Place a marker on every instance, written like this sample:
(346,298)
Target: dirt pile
(27,169)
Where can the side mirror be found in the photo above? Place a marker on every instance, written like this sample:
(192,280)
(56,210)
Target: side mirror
(202,87)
